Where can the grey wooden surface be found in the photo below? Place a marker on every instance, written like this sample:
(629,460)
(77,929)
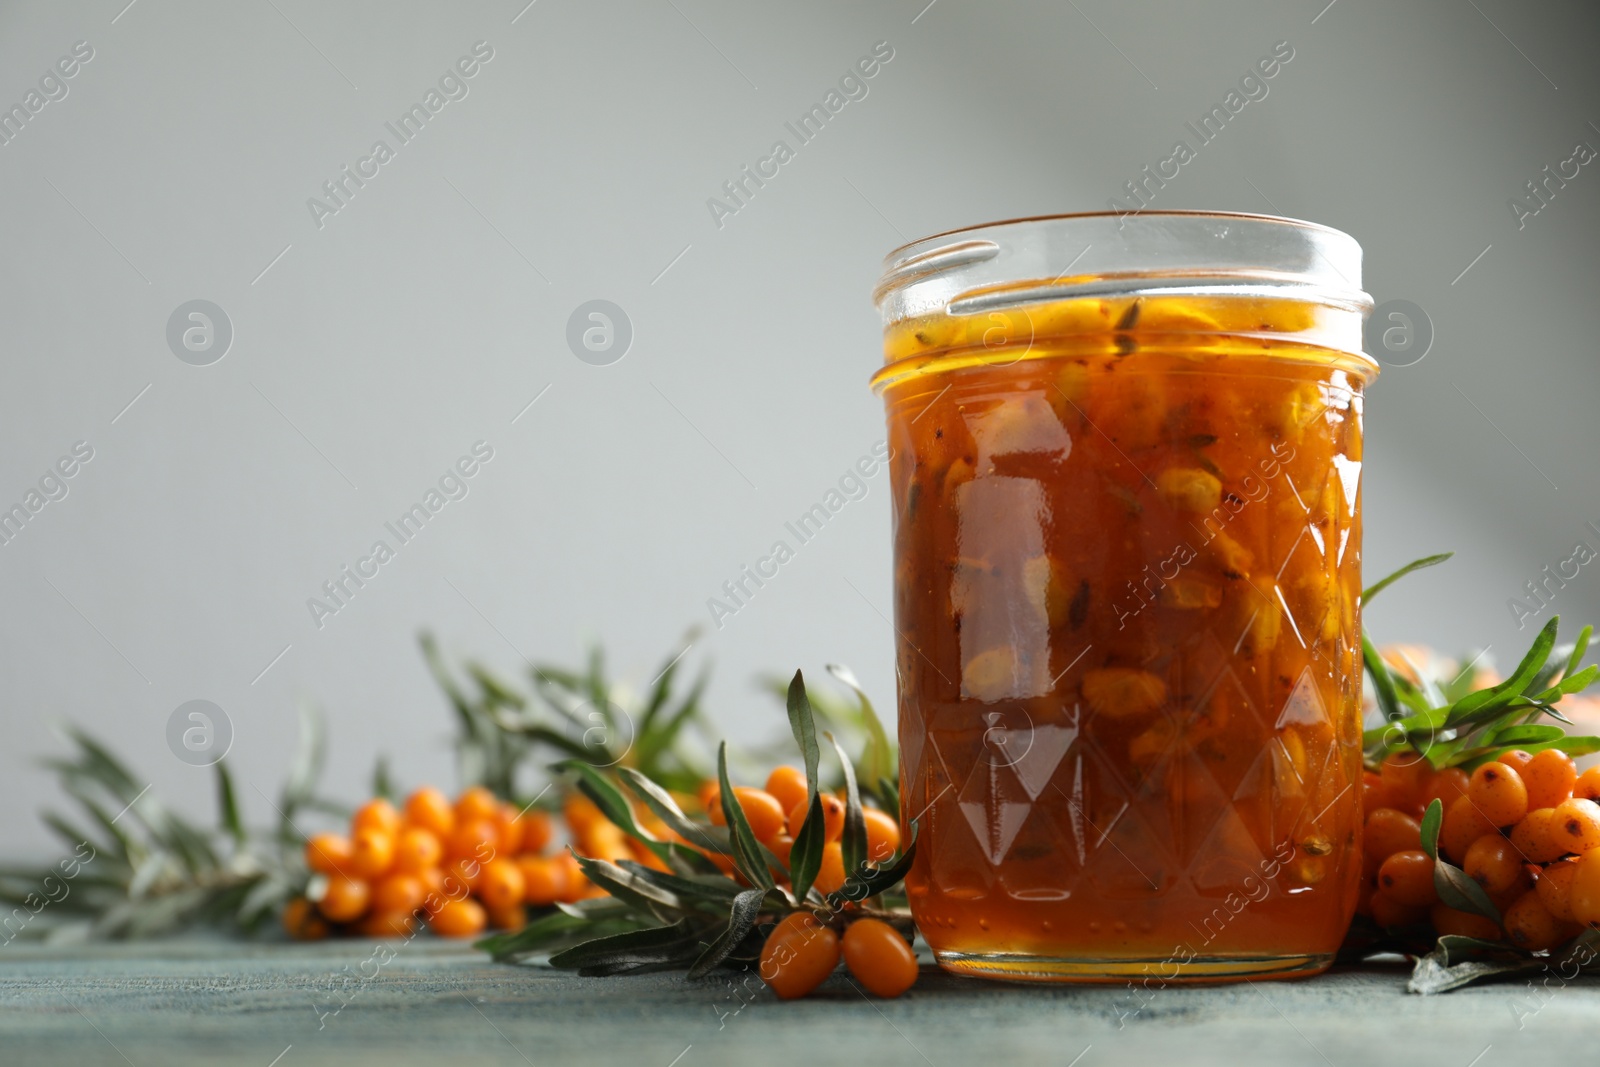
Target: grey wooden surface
(214,1002)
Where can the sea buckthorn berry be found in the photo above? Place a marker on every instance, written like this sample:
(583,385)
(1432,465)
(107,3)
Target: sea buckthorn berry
(1575,824)
(1447,920)
(461,877)
(1584,893)
(883,835)
(512,918)
(644,857)
(1530,925)
(501,884)
(1445,787)
(377,814)
(544,880)
(371,853)
(761,810)
(1513,892)
(459,918)
(1587,787)
(1463,824)
(328,853)
(388,924)
(832,817)
(1549,778)
(477,839)
(830,877)
(782,846)
(707,792)
(879,957)
(1494,863)
(476,802)
(577,883)
(1497,791)
(1555,888)
(788,786)
(604,841)
(1390,914)
(417,849)
(509,819)
(1407,877)
(301,920)
(1389,831)
(798,956)
(1375,792)
(344,899)
(399,893)
(1534,837)
(1406,775)
(1516,759)
(430,809)
(537,830)
(432,879)
(582,813)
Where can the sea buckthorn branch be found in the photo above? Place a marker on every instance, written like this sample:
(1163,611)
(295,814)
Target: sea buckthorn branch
(1482,843)
(752,884)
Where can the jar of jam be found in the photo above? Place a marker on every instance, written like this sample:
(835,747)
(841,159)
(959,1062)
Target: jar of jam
(1126,471)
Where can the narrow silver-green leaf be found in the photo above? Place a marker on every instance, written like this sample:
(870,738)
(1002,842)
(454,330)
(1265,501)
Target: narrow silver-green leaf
(748,855)
(1415,565)
(804,725)
(853,843)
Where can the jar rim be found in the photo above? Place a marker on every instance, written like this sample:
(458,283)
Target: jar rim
(1052,257)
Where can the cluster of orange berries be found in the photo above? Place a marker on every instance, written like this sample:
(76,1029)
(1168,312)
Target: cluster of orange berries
(462,866)
(776,813)
(1525,827)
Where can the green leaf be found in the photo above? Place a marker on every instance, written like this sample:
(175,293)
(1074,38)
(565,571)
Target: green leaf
(1497,696)
(644,944)
(227,804)
(1525,734)
(382,784)
(666,809)
(1382,681)
(804,725)
(1579,647)
(1459,961)
(625,885)
(1460,892)
(854,841)
(1415,565)
(1430,828)
(805,855)
(716,889)
(860,886)
(612,804)
(748,855)
(878,761)
(742,915)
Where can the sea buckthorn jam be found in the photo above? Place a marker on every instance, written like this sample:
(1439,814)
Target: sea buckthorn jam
(1126,460)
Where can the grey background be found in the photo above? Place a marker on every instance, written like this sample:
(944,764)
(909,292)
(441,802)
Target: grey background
(428,313)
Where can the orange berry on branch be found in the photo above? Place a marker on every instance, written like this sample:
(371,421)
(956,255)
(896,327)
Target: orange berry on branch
(1445,787)
(301,920)
(544,879)
(879,957)
(416,849)
(475,803)
(1407,878)
(371,853)
(1535,839)
(1530,925)
(1549,778)
(344,899)
(831,876)
(1494,863)
(832,817)
(1555,888)
(1388,831)
(477,839)
(1390,914)
(538,829)
(1587,786)
(512,918)
(1498,793)
(1447,920)
(761,810)
(459,918)
(788,786)
(398,894)
(430,809)
(582,813)
(1405,776)
(1584,893)
(883,835)
(1463,824)
(501,884)
(798,956)
(389,924)
(1575,825)
(328,853)
(1516,759)
(376,814)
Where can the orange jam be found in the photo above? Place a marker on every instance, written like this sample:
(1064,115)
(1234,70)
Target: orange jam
(1127,594)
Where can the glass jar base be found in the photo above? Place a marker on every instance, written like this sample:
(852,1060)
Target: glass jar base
(1019,967)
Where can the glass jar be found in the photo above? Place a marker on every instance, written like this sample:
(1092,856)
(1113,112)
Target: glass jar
(1126,467)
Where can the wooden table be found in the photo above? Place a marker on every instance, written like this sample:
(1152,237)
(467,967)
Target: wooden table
(203,1001)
